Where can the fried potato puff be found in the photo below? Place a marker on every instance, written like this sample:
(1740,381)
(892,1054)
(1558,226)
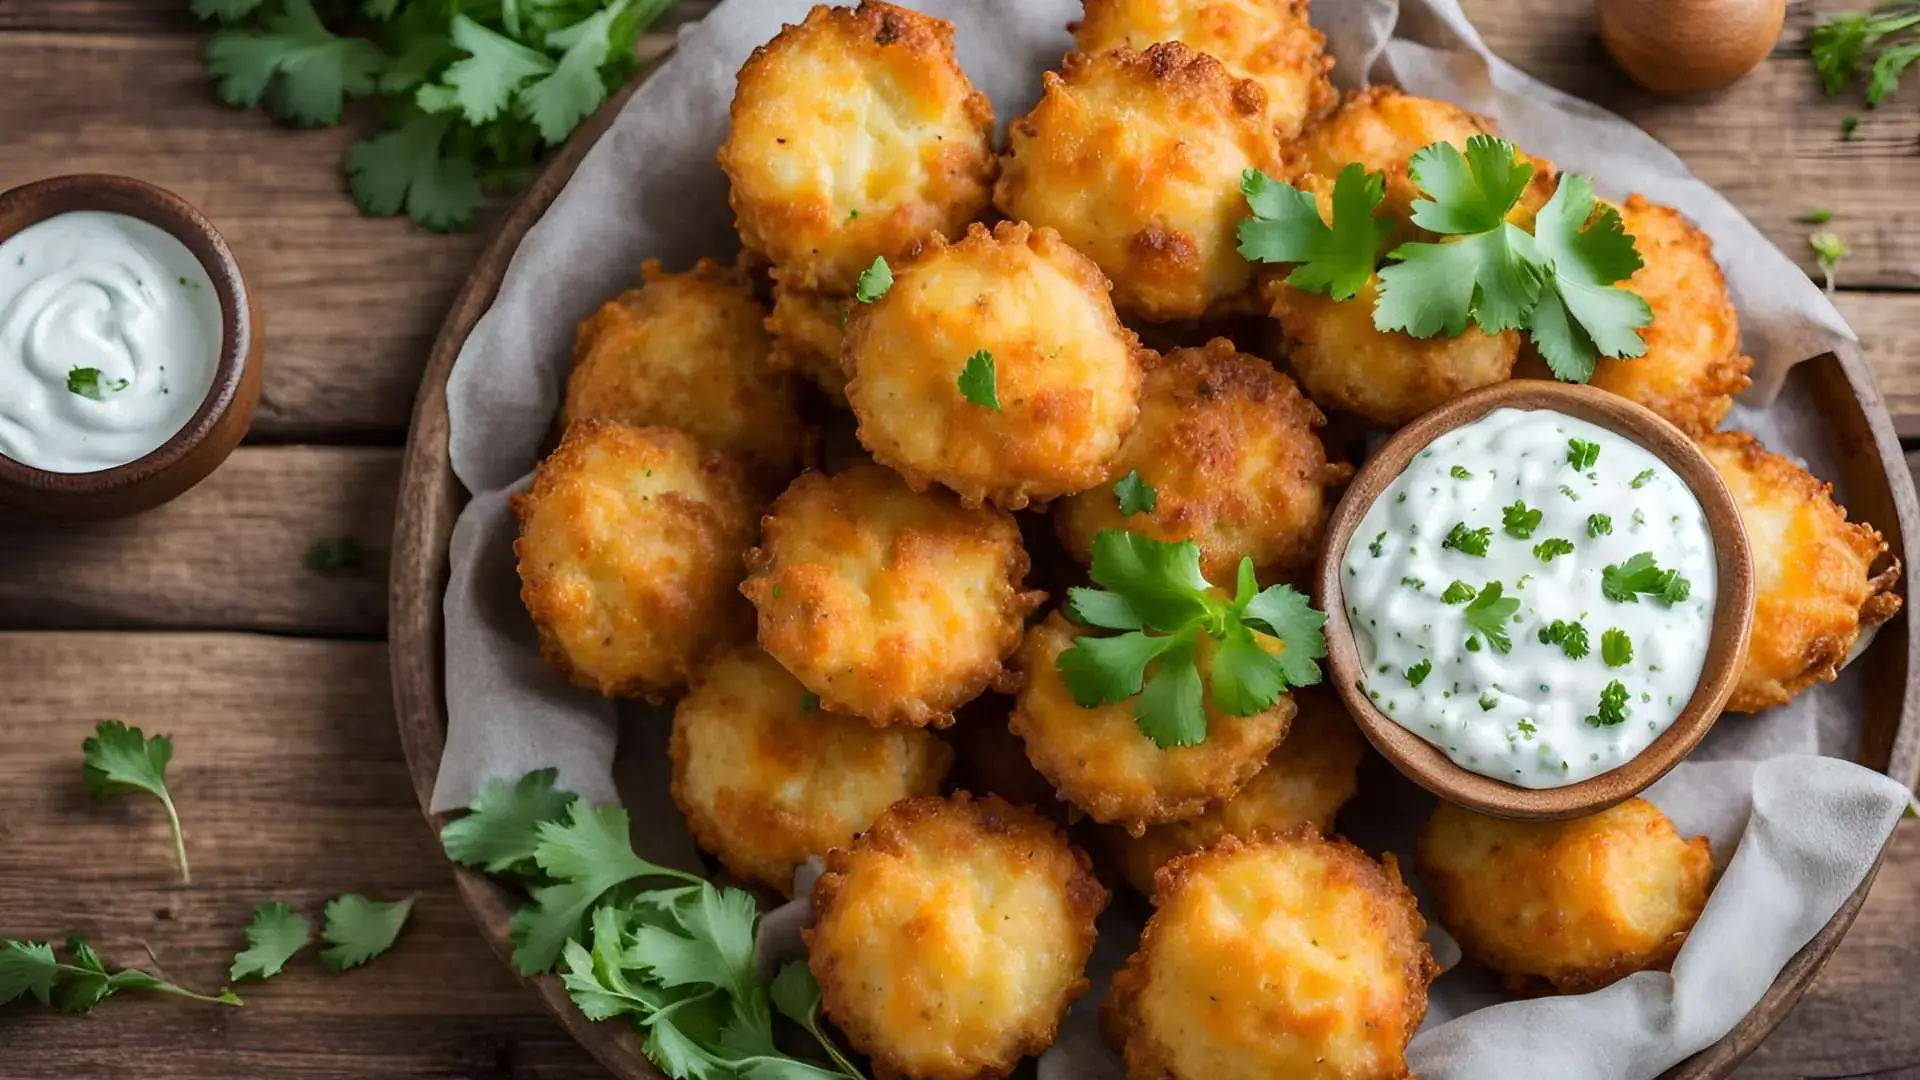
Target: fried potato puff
(1065,375)
(854,135)
(1305,782)
(950,938)
(689,351)
(629,552)
(1228,446)
(1268,41)
(767,779)
(1136,157)
(1289,956)
(891,605)
(1815,587)
(808,329)
(1098,760)
(1571,905)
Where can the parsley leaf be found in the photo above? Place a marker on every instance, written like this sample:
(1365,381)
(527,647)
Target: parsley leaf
(30,967)
(1489,613)
(1460,472)
(1378,546)
(1552,547)
(1616,648)
(1286,227)
(1613,706)
(1570,636)
(978,381)
(358,929)
(416,168)
(1468,541)
(1840,47)
(274,935)
(583,858)
(1489,272)
(120,759)
(1581,314)
(501,829)
(1623,582)
(1599,525)
(557,101)
(1458,592)
(874,282)
(1518,521)
(300,68)
(1641,479)
(1418,673)
(485,83)
(86,382)
(1135,495)
(1582,454)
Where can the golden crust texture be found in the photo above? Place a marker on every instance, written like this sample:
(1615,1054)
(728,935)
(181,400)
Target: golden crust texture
(891,605)
(1289,956)
(1268,41)
(1305,782)
(1067,375)
(855,134)
(1693,365)
(1571,905)
(1229,447)
(767,780)
(629,551)
(689,351)
(1098,760)
(808,329)
(1386,379)
(1815,585)
(951,937)
(1136,157)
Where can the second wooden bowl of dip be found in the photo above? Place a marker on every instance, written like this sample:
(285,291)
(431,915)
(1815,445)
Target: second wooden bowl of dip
(1732,617)
(224,414)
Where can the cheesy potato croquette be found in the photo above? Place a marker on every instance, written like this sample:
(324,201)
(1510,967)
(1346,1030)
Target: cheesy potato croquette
(807,330)
(855,134)
(689,351)
(1030,319)
(767,779)
(1385,378)
(1268,41)
(1136,157)
(950,938)
(1098,760)
(1571,905)
(889,604)
(1229,447)
(629,551)
(1693,365)
(1815,585)
(1305,782)
(1289,956)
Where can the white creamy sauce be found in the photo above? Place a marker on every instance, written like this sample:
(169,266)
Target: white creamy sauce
(109,338)
(1559,704)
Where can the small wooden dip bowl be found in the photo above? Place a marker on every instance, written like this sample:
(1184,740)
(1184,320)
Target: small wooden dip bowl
(1428,765)
(223,417)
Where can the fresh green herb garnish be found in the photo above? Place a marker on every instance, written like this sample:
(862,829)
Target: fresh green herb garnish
(1582,314)
(1414,583)
(1616,648)
(1459,472)
(30,967)
(809,701)
(358,929)
(1418,673)
(1458,593)
(1519,521)
(1819,215)
(1135,495)
(1828,250)
(1525,727)
(1489,612)
(1286,227)
(1570,636)
(1641,479)
(338,553)
(1489,701)
(1378,547)
(1613,706)
(1623,582)
(1599,525)
(273,936)
(86,382)
(1567,490)
(501,829)
(1581,454)
(1468,541)
(873,282)
(119,759)
(978,382)
(1890,34)
(1551,548)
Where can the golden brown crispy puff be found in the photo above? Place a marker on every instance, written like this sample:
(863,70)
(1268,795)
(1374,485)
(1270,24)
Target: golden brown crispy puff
(767,779)
(891,605)
(807,330)
(629,551)
(951,937)
(1388,378)
(689,351)
(1815,585)
(1099,761)
(1067,374)
(1136,158)
(1288,956)
(1268,41)
(1571,905)
(855,134)
(1228,446)
(1306,781)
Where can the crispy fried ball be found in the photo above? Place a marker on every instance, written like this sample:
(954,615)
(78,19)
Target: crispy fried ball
(629,549)
(1386,378)
(807,330)
(1693,365)
(891,605)
(1268,41)
(689,351)
(1228,446)
(1567,905)
(768,780)
(1065,374)
(1136,157)
(1288,956)
(1815,586)
(951,937)
(1099,761)
(855,134)
(1305,782)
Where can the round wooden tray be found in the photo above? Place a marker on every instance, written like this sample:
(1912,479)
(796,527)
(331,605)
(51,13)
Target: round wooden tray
(1874,475)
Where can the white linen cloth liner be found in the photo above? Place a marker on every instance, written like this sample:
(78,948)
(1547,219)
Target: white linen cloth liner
(1806,828)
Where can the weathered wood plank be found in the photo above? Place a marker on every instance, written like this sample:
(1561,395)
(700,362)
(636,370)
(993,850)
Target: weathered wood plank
(1888,324)
(228,555)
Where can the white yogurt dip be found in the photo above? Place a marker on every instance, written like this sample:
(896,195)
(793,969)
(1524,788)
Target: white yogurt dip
(109,339)
(1534,596)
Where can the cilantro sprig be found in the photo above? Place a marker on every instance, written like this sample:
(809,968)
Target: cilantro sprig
(118,759)
(1570,636)
(1883,43)
(32,968)
(1135,495)
(1489,273)
(1174,624)
(275,933)
(88,383)
(1286,227)
(1624,582)
(1519,520)
(979,381)
(1489,613)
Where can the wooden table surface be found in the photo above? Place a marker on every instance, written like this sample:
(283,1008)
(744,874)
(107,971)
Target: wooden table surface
(200,619)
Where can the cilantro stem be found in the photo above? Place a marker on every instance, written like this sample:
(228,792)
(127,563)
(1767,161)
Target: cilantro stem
(179,840)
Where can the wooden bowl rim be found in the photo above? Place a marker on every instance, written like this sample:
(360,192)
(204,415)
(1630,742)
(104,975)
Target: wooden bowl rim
(36,201)
(1429,766)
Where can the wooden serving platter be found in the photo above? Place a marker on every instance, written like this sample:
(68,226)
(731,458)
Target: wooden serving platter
(1874,475)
